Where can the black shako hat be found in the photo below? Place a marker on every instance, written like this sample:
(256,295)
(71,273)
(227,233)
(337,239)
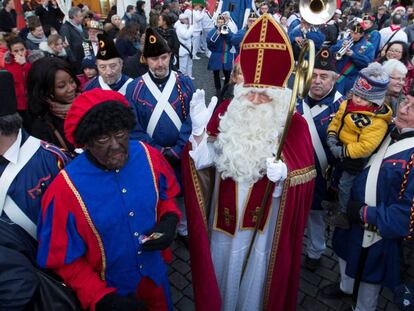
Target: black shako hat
(324,60)
(154,45)
(107,49)
(8,103)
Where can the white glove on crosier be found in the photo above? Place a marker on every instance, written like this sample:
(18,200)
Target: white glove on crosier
(276,171)
(200,114)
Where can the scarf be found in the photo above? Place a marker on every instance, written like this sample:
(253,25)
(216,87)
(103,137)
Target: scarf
(353,107)
(36,40)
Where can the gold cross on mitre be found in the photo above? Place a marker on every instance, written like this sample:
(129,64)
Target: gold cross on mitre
(266,56)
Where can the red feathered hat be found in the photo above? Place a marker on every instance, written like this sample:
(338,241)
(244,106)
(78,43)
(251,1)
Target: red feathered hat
(83,104)
(266,57)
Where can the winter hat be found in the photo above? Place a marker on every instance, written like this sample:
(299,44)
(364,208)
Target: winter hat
(371,84)
(83,104)
(89,62)
(399,8)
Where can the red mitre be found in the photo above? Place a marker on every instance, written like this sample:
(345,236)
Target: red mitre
(266,56)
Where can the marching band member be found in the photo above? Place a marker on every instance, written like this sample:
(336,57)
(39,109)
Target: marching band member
(372,35)
(302,32)
(109,64)
(161,101)
(382,214)
(219,43)
(317,107)
(355,58)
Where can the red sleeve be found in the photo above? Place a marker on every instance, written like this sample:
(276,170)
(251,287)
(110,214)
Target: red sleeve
(86,283)
(168,186)
(67,244)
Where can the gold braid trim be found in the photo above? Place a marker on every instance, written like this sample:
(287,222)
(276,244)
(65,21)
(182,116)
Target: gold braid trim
(89,220)
(405,177)
(154,179)
(198,192)
(302,176)
(411,224)
(275,245)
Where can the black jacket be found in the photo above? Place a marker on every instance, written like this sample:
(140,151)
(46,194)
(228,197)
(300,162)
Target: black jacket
(75,39)
(50,17)
(7,20)
(44,127)
(171,37)
(133,68)
(18,280)
(140,19)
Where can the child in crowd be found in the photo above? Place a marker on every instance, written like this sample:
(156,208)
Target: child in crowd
(89,70)
(355,132)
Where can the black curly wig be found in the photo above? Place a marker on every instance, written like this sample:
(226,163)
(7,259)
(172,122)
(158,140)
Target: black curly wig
(109,116)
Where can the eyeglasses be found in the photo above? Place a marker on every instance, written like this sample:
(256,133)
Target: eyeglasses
(394,51)
(399,79)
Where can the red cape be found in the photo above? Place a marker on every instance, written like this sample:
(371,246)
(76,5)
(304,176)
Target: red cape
(284,264)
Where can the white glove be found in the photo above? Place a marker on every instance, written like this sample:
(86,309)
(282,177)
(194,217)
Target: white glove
(199,113)
(276,171)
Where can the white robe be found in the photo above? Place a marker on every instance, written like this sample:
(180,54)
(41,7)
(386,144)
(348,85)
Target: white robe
(228,253)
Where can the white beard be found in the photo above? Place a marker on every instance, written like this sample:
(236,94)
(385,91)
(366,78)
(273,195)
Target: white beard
(248,134)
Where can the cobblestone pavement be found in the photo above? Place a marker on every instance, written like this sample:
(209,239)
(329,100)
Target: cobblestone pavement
(310,282)
(309,298)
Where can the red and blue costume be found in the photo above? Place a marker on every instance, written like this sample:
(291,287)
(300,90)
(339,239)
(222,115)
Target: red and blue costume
(92,218)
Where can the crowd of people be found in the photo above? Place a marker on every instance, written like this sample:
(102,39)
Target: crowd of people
(108,153)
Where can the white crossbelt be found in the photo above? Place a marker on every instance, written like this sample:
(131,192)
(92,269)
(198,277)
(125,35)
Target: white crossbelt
(397,147)
(374,165)
(371,237)
(7,204)
(316,140)
(106,87)
(163,105)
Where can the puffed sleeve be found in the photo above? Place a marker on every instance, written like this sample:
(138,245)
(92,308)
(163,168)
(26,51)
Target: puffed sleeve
(62,245)
(168,186)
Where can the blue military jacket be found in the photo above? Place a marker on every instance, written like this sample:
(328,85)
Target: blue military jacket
(27,188)
(221,58)
(94,83)
(166,133)
(393,216)
(322,112)
(349,66)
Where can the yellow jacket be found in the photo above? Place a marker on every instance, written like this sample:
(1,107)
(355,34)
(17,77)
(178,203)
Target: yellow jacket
(361,132)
